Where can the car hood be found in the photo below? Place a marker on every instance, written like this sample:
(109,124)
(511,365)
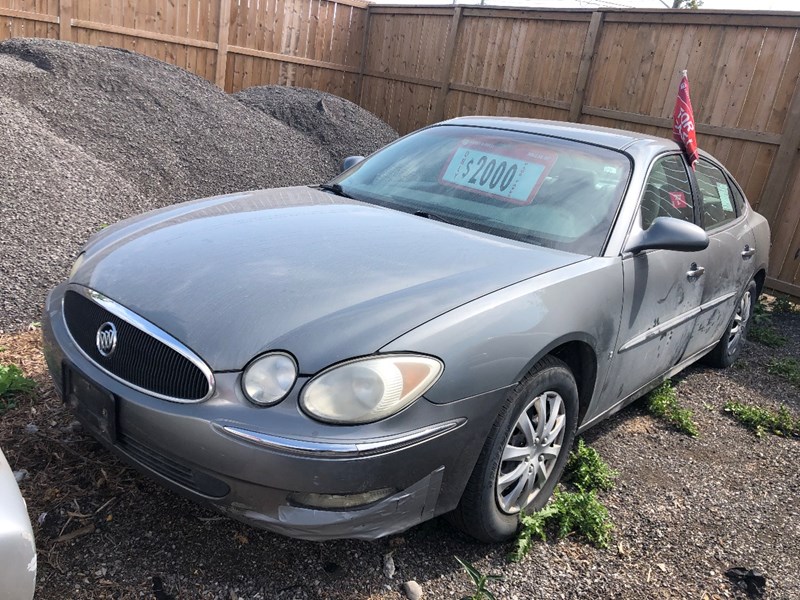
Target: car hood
(300,270)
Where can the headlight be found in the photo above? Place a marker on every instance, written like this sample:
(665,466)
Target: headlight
(269,378)
(367,390)
(77,264)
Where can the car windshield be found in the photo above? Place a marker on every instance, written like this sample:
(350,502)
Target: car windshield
(550,192)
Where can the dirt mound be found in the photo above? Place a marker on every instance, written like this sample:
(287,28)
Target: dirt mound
(341,127)
(92,135)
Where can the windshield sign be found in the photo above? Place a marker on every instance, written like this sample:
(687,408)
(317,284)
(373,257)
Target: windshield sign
(515,175)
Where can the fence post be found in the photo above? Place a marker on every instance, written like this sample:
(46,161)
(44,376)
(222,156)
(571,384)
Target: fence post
(589,49)
(222,41)
(363,66)
(447,65)
(65,20)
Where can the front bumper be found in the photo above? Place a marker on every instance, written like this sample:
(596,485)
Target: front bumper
(250,462)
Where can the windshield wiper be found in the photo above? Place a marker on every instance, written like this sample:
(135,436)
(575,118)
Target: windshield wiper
(432,216)
(335,188)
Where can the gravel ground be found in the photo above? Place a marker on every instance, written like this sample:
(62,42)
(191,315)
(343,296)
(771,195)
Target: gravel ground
(341,127)
(92,135)
(685,510)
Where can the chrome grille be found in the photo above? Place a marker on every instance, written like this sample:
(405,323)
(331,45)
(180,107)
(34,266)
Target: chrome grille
(139,359)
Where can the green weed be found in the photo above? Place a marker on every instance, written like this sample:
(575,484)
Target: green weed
(783,305)
(663,402)
(788,368)
(569,512)
(578,512)
(587,471)
(766,335)
(479,580)
(12,383)
(763,420)
(761,316)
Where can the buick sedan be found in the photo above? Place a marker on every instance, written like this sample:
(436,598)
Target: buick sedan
(424,335)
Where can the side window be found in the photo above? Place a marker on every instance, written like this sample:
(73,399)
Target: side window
(738,199)
(718,198)
(667,192)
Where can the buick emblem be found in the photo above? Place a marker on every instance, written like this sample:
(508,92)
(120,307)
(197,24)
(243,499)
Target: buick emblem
(107,339)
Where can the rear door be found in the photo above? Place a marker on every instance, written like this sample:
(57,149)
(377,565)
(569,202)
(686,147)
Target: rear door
(728,260)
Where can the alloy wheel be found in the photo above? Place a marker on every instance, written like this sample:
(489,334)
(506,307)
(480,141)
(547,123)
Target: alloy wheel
(740,319)
(530,452)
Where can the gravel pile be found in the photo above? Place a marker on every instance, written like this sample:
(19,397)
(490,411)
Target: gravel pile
(341,127)
(53,195)
(92,135)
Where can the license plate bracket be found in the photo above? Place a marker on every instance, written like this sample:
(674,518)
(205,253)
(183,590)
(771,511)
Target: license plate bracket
(95,408)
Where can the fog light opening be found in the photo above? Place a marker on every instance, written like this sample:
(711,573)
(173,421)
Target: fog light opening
(339,501)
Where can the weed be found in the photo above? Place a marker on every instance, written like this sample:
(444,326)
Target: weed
(761,316)
(569,512)
(578,512)
(533,526)
(479,580)
(12,383)
(587,471)
(762,420)
(663,403)
(766,335)
(788,368)
(783,305)
(761,329)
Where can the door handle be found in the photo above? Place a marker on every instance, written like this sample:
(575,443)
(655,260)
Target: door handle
(695,271)
(748,252)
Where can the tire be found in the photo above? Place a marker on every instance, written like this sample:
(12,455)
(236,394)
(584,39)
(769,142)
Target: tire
(489,509)
(730,344)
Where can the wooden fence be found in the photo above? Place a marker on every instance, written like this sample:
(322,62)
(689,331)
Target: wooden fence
(416,65)
(234,43)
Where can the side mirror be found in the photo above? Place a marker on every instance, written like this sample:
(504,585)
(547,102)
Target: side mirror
(350,161)
(667,233)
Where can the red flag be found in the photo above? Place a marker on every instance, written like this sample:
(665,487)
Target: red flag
(683,122)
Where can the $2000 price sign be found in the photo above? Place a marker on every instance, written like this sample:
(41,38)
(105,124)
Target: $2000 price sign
(514,177)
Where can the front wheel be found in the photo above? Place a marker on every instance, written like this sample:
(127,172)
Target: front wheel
(730,344)
(524,455)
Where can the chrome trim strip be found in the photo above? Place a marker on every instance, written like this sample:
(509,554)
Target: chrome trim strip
(347,449)
(659,330)
(673,322)
(716,301)
(147,327)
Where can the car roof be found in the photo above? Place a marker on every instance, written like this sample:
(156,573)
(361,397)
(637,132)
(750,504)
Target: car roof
(617,139)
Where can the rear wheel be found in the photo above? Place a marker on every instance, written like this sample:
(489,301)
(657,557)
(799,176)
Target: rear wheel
(730,344)
(524,455)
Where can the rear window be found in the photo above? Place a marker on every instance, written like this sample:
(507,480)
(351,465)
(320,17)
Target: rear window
(556,193)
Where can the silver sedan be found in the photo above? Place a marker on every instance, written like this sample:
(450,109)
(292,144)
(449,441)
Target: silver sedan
(426,334)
